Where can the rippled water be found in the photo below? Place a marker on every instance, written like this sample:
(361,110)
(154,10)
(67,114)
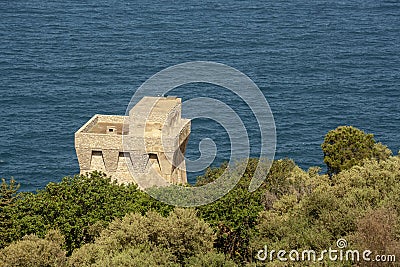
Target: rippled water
(320,64)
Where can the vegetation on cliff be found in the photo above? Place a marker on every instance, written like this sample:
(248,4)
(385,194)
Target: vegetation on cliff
(347,146)
(89,221)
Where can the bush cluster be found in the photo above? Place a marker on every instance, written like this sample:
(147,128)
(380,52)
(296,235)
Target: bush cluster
(87,220)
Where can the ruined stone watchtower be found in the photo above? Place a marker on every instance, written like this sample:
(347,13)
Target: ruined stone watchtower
(147,144)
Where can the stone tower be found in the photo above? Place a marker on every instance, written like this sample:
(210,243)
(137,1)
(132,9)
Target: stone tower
(148,144)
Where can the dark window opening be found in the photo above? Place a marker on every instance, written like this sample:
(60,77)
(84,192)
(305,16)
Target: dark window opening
(97,153)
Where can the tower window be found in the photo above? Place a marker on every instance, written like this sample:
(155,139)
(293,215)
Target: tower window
(111,130)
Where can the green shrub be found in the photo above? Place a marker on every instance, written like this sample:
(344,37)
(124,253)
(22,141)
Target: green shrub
(132,256)
(80,206)
(8,196)
(182,233)
(347,146)
(106,224)
(210,259)
(34,251)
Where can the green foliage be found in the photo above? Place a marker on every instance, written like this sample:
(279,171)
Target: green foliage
(182,233)
(359,204)
(8,196)
(80,206)
(381,152)
(347,146)
(216,183)
(293,219)
(34,251)
(138,256)
(8,192)
(211,174)
(106,224)
(278,180)
(235,215)
(210,259)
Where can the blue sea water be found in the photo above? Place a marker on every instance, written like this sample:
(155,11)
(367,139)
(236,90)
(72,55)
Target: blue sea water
(320,64)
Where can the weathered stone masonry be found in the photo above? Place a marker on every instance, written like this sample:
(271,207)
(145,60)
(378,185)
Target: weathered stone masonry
(151,140)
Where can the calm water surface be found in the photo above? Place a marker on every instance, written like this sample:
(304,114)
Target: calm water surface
(320,64)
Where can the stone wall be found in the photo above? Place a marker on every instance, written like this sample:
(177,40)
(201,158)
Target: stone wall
(150,142)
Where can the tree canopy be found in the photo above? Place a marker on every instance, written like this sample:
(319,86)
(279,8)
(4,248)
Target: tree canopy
(347,146)
(87,220)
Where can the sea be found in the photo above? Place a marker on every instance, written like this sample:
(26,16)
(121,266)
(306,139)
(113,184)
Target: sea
(320,64)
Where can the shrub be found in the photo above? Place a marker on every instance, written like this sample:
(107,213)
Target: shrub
(376,231)
(8,196)
(182,233)
(80,206)
(34,251)
(211,259)
(137,256)
(347,146)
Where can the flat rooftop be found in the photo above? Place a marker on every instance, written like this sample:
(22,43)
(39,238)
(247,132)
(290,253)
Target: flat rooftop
(160,107)
(108,127)
(117,125)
